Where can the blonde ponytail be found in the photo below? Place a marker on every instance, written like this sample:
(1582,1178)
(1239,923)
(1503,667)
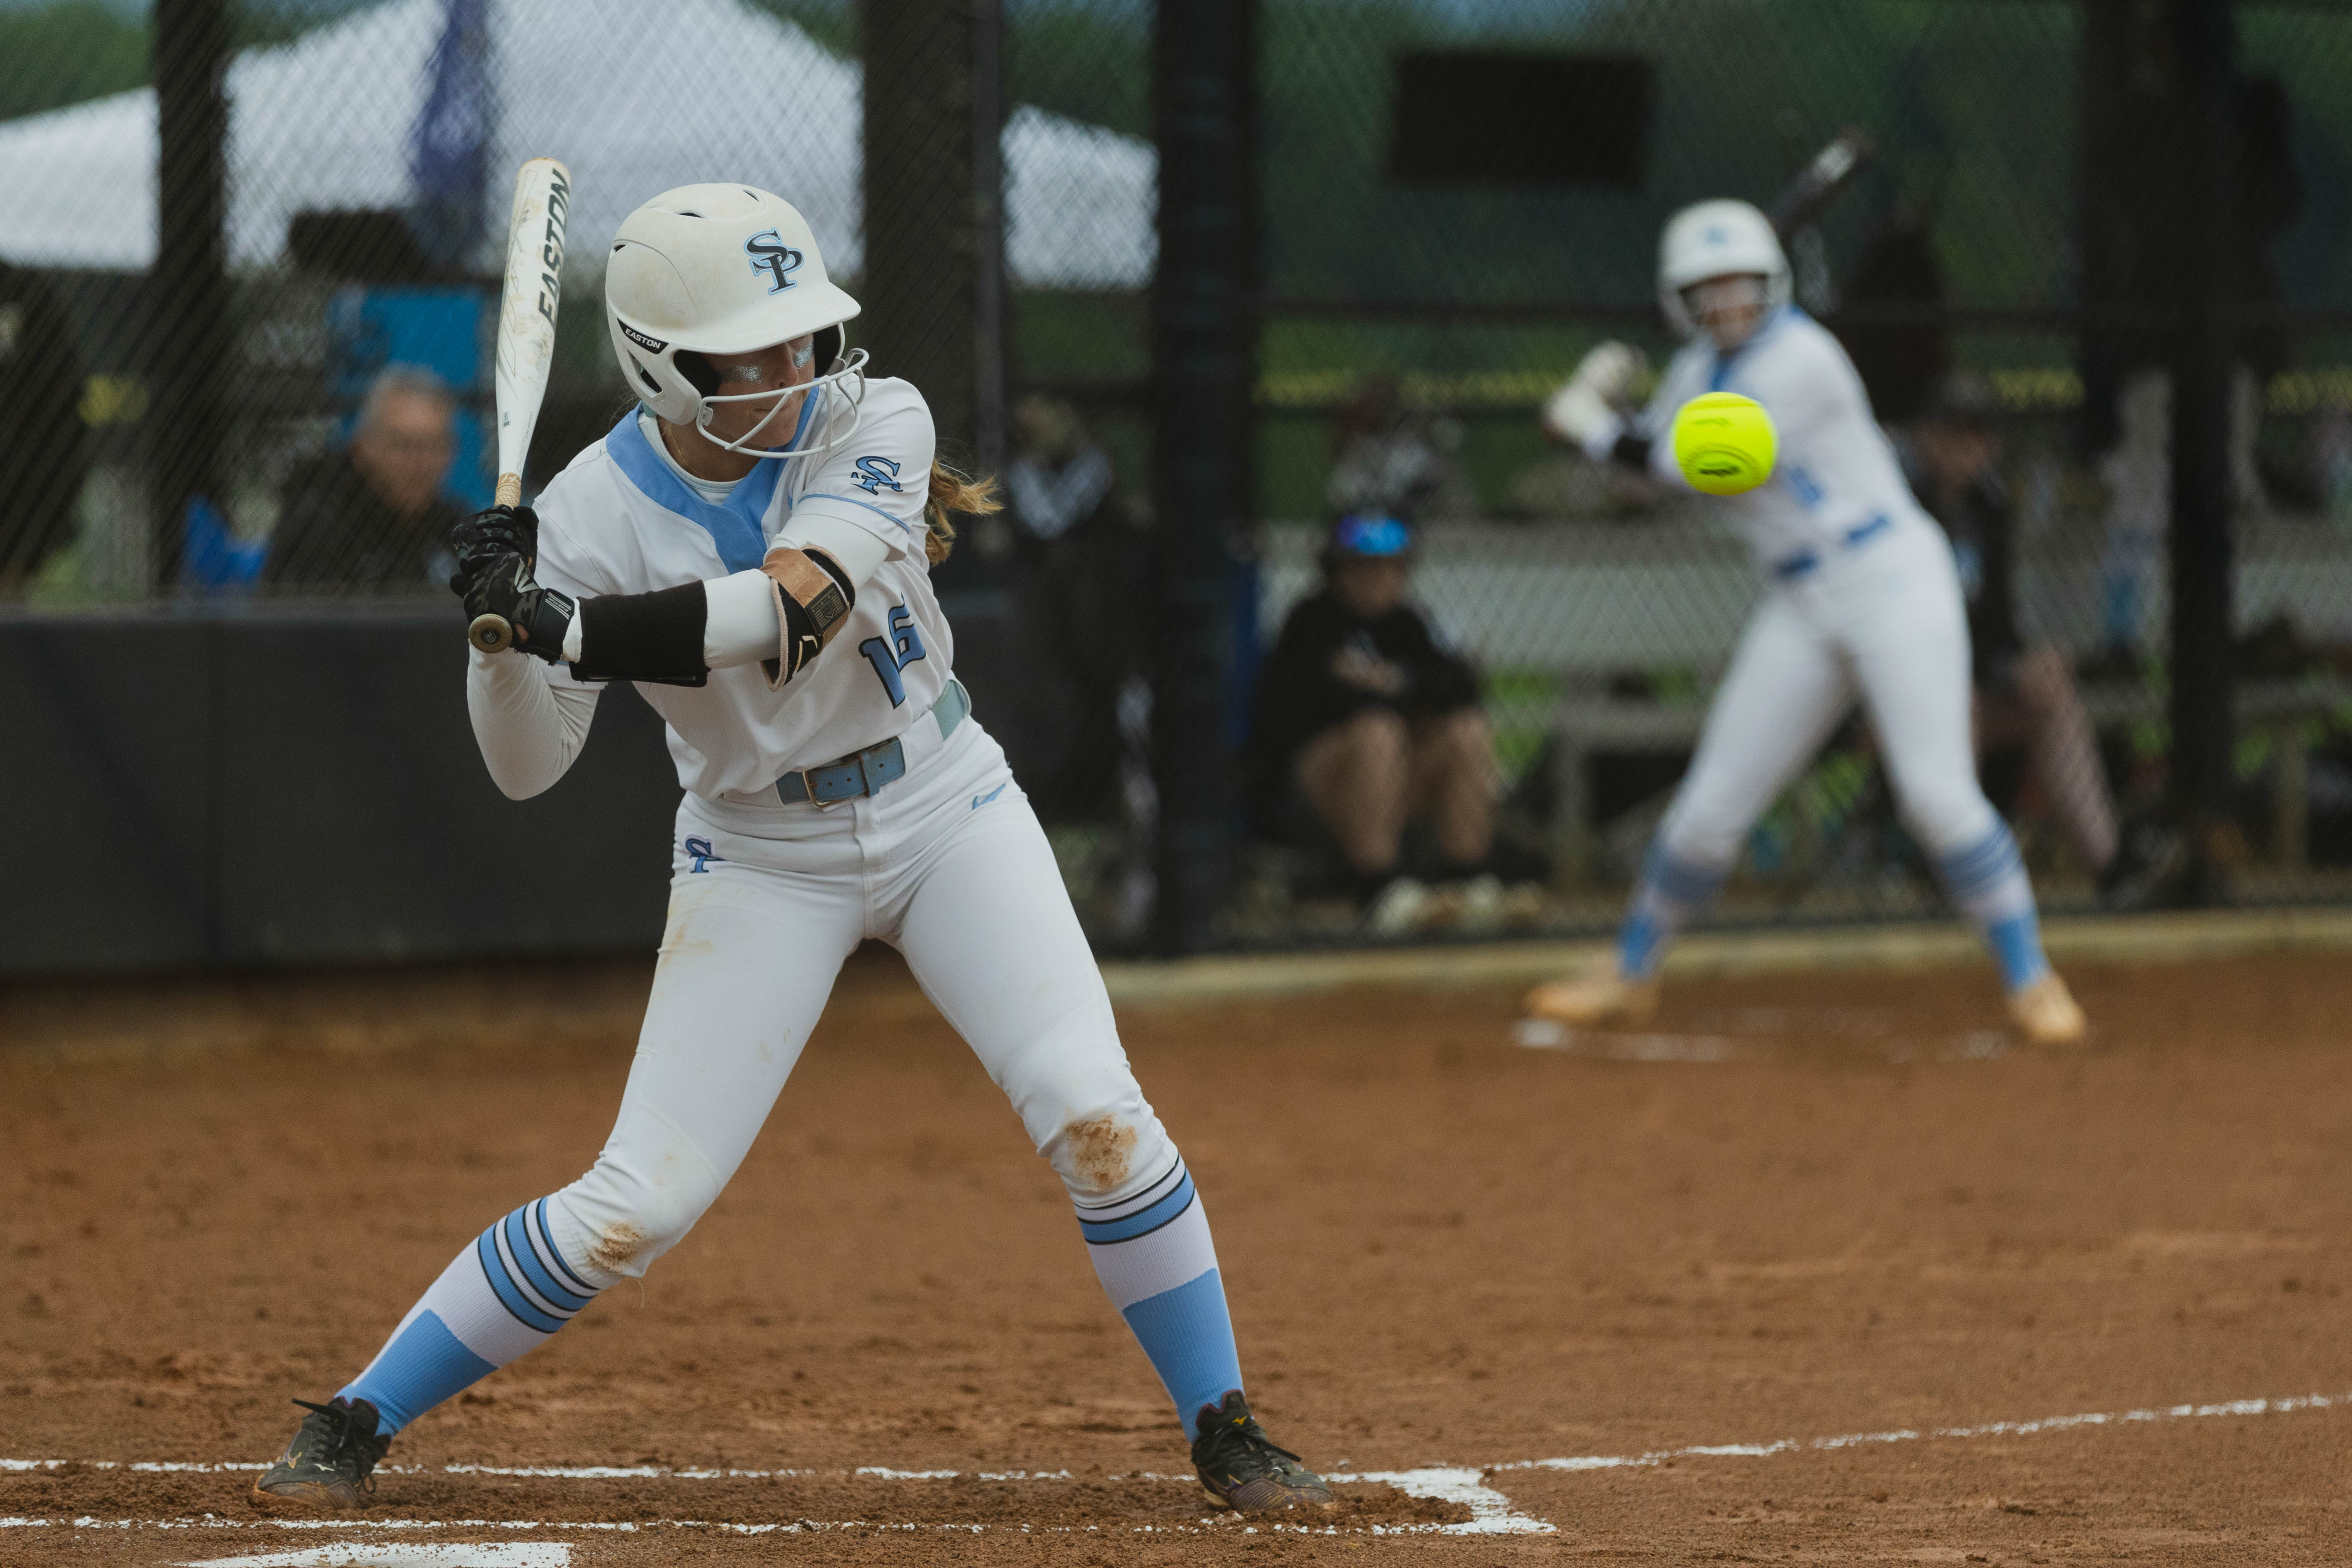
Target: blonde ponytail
(953,492)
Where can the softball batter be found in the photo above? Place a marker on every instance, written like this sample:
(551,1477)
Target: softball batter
(752,547)
(1862,600)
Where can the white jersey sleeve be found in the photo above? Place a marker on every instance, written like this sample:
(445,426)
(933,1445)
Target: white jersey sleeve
(529,728)
(880,479)
(530,719)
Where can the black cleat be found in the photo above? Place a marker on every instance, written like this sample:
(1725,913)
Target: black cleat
(331,1460)
(1243,1470)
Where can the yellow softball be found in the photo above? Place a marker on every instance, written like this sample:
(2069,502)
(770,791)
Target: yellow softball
(1725,443)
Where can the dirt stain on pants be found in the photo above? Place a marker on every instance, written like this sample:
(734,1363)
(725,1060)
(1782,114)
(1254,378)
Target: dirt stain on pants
(1102,1149)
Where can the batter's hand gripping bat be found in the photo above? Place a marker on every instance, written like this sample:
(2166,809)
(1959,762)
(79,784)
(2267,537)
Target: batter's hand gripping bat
(526,342)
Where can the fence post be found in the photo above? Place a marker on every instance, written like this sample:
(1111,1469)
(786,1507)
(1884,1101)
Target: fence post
(2204,40)
(933,196)
(988,234)
(188,333)
(1203,304)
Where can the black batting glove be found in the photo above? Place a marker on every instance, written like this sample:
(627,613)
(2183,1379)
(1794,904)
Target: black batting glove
(540,615)
(482,538)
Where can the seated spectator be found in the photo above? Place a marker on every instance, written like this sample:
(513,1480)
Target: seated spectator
(2025,695)
(1363,719)
(373,516)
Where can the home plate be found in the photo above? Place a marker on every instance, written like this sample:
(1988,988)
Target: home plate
(351,1554)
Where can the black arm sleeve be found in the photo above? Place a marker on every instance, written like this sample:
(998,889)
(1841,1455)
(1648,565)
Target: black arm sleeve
(654,638)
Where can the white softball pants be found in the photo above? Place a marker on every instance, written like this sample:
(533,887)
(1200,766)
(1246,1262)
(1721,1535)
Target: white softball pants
(1881,621)
(1886,624)
(947,864)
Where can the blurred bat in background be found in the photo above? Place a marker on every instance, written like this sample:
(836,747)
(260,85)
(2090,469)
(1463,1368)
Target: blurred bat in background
(1833,168)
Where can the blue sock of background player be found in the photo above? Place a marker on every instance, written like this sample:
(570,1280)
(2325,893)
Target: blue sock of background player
(1986,881)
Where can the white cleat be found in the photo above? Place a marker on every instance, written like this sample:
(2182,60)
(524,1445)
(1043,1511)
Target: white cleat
(1604,995)
(2047,1014)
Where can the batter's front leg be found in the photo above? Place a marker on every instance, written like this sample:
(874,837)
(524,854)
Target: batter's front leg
(991,936)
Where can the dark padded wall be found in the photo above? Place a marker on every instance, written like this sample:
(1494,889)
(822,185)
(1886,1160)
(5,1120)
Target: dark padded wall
(105,794)
(289,788)
(286,786)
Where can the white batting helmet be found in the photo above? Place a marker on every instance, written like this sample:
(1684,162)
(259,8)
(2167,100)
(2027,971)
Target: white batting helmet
(1718,240)
(721,270)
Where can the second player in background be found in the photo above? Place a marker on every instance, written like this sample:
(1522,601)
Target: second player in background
(1861,601)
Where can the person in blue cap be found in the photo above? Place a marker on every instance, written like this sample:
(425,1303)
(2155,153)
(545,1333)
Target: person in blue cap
(1365,719)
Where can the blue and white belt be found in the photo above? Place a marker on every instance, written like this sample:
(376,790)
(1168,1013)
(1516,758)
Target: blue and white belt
(865,772)
(1789,567)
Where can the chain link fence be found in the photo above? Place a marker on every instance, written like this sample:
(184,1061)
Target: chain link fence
(1454,203)
(366,153)
(1459,202)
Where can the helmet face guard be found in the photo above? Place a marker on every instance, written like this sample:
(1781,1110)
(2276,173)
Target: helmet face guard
(846,374)
(713,270)
(1718,240)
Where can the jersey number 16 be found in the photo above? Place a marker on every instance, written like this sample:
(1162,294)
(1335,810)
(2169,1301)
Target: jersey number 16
(890,655)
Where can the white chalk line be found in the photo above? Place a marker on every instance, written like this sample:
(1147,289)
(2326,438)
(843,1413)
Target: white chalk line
(1920,1435)
(791,1527)
(1492,1513)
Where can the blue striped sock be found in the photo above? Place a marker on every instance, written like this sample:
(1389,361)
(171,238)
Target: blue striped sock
(1672,891)
(1158,1264)
(1987,880)
(502,1296)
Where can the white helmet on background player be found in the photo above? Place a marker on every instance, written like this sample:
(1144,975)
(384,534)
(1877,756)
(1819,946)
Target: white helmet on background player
(1718,240)
(723,269)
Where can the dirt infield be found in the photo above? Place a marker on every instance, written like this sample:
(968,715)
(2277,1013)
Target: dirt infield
(1831,1213)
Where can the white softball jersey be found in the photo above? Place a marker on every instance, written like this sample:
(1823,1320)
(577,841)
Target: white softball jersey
(622,520)
(1837,481)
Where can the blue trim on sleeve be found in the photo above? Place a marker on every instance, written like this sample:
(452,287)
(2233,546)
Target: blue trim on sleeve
(869,506)
(733,526)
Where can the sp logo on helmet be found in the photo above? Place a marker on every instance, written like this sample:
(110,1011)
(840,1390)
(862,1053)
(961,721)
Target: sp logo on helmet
(873,473)
(770,254)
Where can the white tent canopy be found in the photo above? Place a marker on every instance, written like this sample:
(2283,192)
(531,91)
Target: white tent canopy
(635,95)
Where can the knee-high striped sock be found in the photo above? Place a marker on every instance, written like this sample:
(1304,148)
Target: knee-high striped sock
(1153,1254)
(1987,880)
(1671,892)
(502,1296)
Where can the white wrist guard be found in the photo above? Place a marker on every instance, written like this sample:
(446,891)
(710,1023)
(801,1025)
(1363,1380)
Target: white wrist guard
(1578,415)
